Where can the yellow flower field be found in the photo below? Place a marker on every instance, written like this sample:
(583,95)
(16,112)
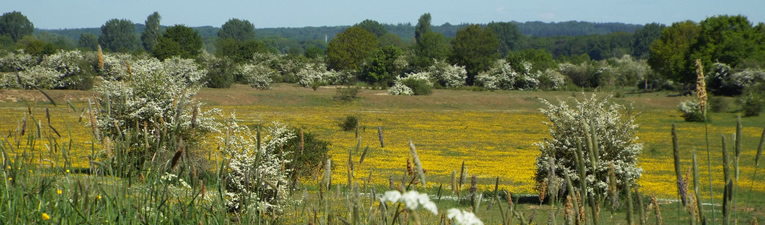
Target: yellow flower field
(492,143)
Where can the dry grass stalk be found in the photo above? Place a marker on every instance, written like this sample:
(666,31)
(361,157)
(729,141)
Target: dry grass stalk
(100,59)
(542,191)
(568,212)
(177,155)
(701,87)
(657,210)
(129,71)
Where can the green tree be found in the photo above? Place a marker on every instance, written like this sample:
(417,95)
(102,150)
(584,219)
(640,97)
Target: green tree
(6,43)
(475,48)
(432,46)
(237,29)
(88,41)
(423,27)
(179,40)
(150,36)
(15,25)
(239,51)
(350,48)
(540,60)
(35,47)
(118,36)
(668,53)
(381,67)
(510,38)
(643,37)
(725,39)
(391,39)
(313,52)
(373,27)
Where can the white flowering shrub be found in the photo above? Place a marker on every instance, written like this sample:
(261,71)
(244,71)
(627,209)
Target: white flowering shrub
(582,75)
(726,81)
(33,77)
(615,132)
(551,79)
(500,76)
(18,61)
(400,89)
(462,217)
(691,111)
(248,165)
(258,76)
(630,71)
(65,62)
(447,75)
(413,200)
(315,74)
(160,99)
(115,65)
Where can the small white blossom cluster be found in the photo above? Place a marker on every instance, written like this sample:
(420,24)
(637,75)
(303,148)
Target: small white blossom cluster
(502,76)
(174,181)
(748,77)
(399,87)
(462,217)
(244,169)
(315,73)
(615,130)
(412,199)
(447,75)
(257,75)
(35,76)
(629,71)
(115,65)
(555,79)
(65,62)
(18,61)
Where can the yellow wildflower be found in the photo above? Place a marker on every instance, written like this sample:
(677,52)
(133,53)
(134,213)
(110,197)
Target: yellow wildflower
(58,191)
(67,171)
(99,197)
(10,178)
(45,216)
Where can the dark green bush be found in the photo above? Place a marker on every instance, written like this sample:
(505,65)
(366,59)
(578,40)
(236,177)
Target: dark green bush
(314,155)
(419,87)
(347,93)
(718,104)
(349,123)
(220,73)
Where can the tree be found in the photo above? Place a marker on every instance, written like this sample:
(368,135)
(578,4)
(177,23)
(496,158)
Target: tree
(668,52)
(350,48)
(179,40)
(88,41)
(643,37)
(15,25)
(432,46)
(239,30)
(150,36)
(381,68)
(373,27)
(475,48)
(391,39)
(423,27)
(725,39)
(510,38)
(118,36)
(239,51)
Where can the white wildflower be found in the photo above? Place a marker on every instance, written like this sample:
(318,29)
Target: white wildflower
(462,217)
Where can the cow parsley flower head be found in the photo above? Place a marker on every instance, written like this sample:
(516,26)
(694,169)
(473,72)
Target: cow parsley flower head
(412,200)
(463,217)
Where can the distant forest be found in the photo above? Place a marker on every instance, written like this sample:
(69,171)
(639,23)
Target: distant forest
(562,39)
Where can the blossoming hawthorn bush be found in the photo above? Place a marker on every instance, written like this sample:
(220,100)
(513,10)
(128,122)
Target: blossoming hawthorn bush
(255,174)
(503,76)
(35,76)
(447,75)
(258,76)
(412,84)
(615,131)
(313,74)
(17,61)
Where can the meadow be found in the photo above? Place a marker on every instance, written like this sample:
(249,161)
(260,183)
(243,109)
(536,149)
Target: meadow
(492,132)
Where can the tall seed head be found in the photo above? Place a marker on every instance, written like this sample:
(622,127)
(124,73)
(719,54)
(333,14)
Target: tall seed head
(701,87)
(100,59)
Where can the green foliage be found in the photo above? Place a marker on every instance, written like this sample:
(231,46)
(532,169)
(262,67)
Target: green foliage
(718,104)
(239,51)
(430,47)
(540,59)
(237,29)
(691,111)
(391,39)
(422,28)
(220,72)
(510,38)
(724,39)
(178,40)
(6,43)
(668,53)
(313,52)
(474,48)
(373,27)
(118,36)
(88,41)
(15,25)
(643,37)
(752,99)
(349,49)
(150,36)
(381,67)
(347,94)
(350,123)
(419,87)
(314,154)
(35,47)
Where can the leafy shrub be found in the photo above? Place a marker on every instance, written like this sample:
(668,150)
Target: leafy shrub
(551,80)
(258,76)
(718,104)
(315,153)
(412,84)
(751,102)
(691,111)
(349,93)
(400,89)
(503,75)
(314,75)
(33,77)
(349,123)
(18,61)
(220,71)
(447,75)
(419,87)
(614,130)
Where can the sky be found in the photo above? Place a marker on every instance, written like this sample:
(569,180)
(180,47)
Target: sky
(61,14)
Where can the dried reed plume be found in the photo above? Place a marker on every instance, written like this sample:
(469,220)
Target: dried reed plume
(177,155)
(100,59)
(657,210)
(568,212)
(701,87)
(129,71)
(542,191)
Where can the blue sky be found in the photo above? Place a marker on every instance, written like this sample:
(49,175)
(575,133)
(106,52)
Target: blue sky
(58,14)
